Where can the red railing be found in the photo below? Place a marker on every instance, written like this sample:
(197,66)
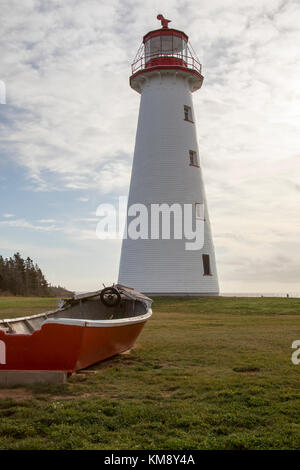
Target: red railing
(145,62)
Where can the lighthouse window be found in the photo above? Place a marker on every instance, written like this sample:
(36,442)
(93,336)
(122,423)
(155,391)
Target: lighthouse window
(206,265)
(188,113)
(193,158)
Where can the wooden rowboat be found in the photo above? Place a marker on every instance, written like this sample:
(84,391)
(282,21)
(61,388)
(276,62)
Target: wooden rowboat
(83,330)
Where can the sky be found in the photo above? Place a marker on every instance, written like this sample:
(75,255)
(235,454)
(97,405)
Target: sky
(67,132)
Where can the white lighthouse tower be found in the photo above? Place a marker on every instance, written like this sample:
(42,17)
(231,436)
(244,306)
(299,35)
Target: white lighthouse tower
(167,171)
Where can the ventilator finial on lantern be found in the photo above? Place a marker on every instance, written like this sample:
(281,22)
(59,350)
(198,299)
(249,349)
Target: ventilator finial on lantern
(164,21)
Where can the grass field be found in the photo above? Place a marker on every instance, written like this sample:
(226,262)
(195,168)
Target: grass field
(211,373)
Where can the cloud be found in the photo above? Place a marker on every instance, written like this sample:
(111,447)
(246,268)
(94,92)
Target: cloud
(65,98)
(7,216)
(47,221)
(22,223)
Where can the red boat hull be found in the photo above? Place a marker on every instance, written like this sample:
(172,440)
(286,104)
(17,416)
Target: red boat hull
(65,347)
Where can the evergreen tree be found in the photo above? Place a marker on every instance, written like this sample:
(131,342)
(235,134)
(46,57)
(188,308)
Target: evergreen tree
(20,276)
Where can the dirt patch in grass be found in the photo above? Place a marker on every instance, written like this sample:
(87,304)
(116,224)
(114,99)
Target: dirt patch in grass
(247,370)
(86,372)
(18,394)
(166,364)
(80,396)
(70,397)
(21,394)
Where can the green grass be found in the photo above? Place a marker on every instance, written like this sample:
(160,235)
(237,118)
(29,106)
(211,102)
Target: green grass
(211,373)
(21,306)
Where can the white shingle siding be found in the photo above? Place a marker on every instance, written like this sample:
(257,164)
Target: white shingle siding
(161,174)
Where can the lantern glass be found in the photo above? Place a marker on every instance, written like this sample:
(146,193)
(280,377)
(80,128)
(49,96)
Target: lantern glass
(167,45)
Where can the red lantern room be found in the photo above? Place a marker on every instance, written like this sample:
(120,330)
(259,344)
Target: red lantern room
(165,49)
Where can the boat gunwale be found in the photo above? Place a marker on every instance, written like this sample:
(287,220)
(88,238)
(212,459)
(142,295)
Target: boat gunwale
(100,323)
(31,317)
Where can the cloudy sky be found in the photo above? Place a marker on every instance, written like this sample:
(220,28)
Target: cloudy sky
(67,132)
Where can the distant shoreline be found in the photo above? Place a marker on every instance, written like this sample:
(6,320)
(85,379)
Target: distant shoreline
(293,295)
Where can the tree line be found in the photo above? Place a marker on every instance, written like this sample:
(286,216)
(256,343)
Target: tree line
(20,276)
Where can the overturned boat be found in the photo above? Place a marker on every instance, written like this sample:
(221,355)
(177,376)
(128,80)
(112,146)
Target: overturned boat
(82,331)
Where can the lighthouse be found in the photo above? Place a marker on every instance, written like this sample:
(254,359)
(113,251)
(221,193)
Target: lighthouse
(166,180)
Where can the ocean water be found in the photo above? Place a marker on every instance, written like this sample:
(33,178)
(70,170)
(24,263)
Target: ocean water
(261,294)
